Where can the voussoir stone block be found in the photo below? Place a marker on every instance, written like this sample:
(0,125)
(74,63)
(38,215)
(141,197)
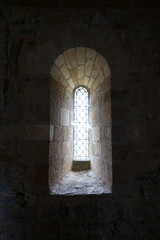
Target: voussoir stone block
(86,80)
(90,54)
(60,61)
(65,72)
(70,57)
(91,81)
(55,73)
(74,72)
(80,54)
(80,71)
(88,67)
(71,83)
(101,63)
(106,71)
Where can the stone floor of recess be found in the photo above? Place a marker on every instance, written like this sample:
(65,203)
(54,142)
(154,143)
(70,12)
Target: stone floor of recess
(80,183)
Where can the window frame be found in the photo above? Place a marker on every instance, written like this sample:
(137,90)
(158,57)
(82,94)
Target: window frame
(89,150)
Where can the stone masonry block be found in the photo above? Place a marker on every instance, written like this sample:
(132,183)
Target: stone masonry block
(70,57)
(41,174)
(55,73)
(86,80)
(97,60)
(71,83)
(65,72)
(74,72)
(66,148)
(88,67)
(95,134)
(101,63)
(101,77)
(60,61)
(80,53)
(91,81)
(80,71)
(51,132)
(64,117)
(106,71)
(38,132)
(90,54)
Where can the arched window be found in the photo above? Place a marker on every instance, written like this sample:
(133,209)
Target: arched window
(80,116)
(81,141)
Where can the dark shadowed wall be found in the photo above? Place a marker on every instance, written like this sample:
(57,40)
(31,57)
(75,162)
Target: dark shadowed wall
(30,41)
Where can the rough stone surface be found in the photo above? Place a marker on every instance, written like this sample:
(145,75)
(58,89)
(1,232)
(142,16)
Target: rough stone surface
(38,132)
(80,183)
(129,39)
(77,65)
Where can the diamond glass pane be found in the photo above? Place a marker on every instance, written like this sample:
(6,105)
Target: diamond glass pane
(81,124)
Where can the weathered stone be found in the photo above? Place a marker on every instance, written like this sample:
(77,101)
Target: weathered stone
(106,71)
(71,83)
(96,134)
(88,67)
(80,183)
(41,174)
(86,80)
(91,81)
(55,73)
(65,72)
(80,71)
(35,64)
(60,61)
(64,117)
(70,57)
(90,54)
(36,132)
(80,53)
(96,149)
(47,50)
(30,41)
(66,148)
(51,132)
(74,72)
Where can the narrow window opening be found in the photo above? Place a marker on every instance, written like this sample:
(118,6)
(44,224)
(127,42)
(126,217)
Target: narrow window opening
(80,156)
(81,141)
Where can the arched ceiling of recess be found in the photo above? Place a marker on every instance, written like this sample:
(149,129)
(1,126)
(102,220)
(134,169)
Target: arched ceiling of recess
(80,66)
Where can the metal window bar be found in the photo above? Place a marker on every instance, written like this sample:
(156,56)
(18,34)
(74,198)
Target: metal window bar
(81,124)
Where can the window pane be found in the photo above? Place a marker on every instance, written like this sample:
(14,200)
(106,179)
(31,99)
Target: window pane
(81,124)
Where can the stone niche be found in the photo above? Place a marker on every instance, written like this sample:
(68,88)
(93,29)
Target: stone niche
(80,67)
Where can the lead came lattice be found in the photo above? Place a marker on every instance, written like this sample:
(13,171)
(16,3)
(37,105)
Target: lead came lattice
(81,124)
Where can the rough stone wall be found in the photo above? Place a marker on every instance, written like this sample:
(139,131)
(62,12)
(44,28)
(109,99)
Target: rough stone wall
(101,142)
(30,41)
(60,148)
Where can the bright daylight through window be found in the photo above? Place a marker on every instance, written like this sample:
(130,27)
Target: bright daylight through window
(81,125)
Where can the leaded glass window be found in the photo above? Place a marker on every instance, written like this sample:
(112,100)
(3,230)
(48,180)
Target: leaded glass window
(81,124)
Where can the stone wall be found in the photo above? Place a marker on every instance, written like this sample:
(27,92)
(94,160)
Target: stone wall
(30,41)
(60,148)
(75,67)
(101,142)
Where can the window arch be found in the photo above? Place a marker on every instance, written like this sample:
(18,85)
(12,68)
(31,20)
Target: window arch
(74,68)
